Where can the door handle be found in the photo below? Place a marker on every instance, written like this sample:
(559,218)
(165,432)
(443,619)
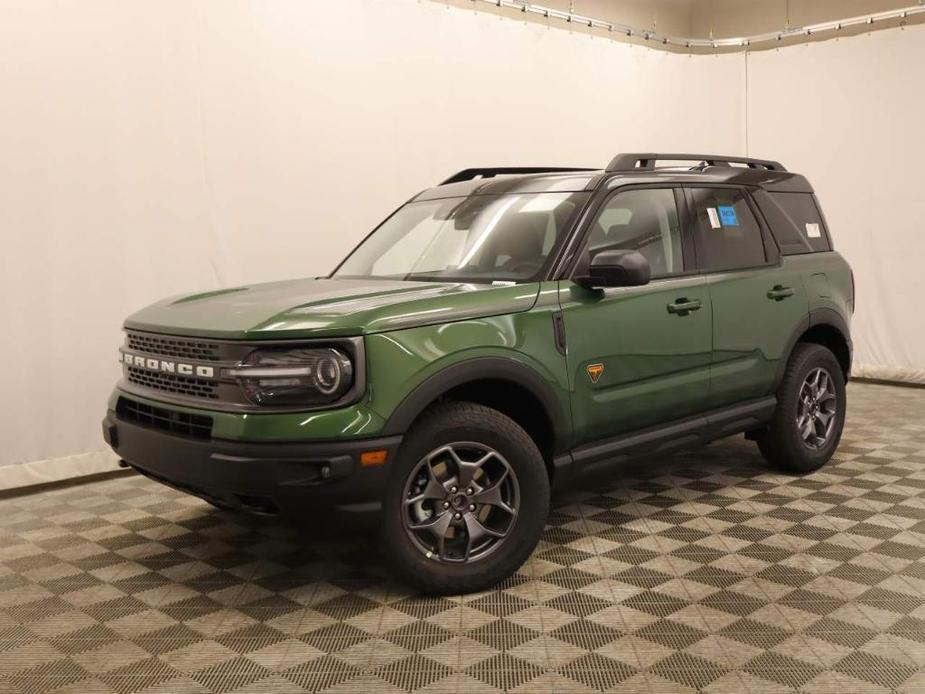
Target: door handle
(683,306)
(779,292)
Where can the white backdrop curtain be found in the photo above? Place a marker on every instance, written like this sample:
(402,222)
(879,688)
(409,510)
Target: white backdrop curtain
(155,148)
(849,114)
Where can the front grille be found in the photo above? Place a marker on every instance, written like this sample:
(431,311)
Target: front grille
(187,371)
(192,425)
(194,350)
(172,383)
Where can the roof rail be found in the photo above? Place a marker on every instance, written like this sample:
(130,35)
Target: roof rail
(469,174)
(635,160)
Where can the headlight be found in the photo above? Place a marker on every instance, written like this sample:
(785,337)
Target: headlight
(288,377)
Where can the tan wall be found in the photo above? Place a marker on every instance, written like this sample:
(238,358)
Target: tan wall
(672,17)
(726,18)
(729,18)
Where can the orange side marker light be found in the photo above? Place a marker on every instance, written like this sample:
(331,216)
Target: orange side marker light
(373,458)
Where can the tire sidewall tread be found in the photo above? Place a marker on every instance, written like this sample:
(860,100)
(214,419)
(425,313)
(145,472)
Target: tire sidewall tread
(454,421)
(781,443)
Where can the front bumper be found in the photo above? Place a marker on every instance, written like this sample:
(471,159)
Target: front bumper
(271,478)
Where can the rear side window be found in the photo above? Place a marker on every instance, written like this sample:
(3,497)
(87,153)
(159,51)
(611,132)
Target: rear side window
(726,234)
(796,222)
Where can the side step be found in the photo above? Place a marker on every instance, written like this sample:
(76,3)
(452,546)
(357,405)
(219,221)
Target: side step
(681,434)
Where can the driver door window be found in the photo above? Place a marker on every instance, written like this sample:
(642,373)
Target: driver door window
(644,220)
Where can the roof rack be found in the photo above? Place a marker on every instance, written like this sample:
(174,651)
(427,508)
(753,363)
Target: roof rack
(635,160)
(469,174)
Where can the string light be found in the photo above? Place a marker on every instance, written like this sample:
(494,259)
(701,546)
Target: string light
(736,42)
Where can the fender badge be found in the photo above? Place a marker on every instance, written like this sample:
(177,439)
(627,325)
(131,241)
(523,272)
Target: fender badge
(594,372)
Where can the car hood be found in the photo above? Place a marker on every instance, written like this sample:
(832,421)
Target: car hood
(327,307)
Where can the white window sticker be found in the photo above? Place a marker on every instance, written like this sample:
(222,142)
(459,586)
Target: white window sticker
(812,231)
(714,217)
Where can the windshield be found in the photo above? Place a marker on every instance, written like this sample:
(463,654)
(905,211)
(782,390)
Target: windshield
(482,238)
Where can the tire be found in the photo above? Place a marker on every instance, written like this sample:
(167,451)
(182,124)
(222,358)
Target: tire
(789,442)
(507,494)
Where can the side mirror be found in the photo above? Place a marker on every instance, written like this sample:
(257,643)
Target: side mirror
(616,269)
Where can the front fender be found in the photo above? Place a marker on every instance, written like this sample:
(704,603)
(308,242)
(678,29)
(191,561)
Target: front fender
(409,369)
(509,368)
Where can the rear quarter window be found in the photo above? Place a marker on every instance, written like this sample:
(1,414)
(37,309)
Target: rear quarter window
(796,222)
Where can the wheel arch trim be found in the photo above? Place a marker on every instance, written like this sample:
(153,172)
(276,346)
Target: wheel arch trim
(816,317)
(470,371)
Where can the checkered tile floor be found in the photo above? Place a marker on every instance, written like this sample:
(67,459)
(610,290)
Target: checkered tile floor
(704,571)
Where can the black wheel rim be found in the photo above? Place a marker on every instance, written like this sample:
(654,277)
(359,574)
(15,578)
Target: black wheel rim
(460,502)
(817,408)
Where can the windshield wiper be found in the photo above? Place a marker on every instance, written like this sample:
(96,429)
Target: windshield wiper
(464,279)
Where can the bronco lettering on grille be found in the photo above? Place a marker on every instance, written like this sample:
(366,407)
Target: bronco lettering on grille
(164,366)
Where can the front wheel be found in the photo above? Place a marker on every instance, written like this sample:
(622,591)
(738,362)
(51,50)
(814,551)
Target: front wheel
(810,415)
(467,501)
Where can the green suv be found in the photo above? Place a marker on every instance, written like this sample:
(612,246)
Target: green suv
(498,335)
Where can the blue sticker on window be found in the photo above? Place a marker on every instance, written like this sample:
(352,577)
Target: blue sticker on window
(727,216)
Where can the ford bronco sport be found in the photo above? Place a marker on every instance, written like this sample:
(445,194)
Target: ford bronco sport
(497,335)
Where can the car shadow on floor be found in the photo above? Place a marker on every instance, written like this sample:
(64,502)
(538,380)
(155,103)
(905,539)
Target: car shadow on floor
(346,552)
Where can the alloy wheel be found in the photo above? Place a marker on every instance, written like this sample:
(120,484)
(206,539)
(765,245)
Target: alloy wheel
(817,408)
(460,502)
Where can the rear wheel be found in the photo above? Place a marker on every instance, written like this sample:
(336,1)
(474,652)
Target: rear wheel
(810,415)
(466,502)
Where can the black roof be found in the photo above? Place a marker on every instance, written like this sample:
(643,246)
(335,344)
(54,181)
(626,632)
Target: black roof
(625,169)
